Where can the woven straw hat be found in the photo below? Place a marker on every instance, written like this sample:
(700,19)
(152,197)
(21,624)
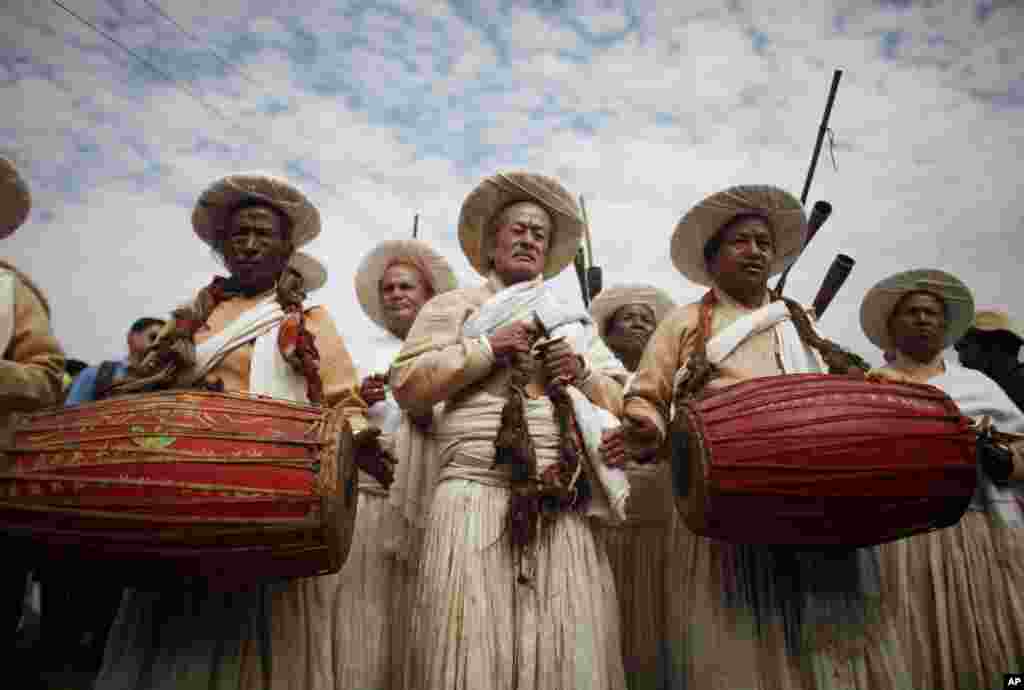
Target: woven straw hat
(878,304)
(314,273)
(993,320)
(371,270)
(500,190)
(211,213)
(15,200)
(782,210)
(605,305)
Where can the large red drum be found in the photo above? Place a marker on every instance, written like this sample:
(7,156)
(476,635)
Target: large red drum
(230,488)
(818,460)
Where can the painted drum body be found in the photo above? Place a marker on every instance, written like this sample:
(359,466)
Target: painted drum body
(821,460)
(227,487)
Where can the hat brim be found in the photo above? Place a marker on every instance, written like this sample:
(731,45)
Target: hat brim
(994,321)
(371,270)
(313,272)
(211,212)
(879,302)
(15,199)
(604,306)
(500,190)
(783,211)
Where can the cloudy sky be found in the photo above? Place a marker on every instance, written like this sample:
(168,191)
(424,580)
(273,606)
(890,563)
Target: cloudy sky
(383,110)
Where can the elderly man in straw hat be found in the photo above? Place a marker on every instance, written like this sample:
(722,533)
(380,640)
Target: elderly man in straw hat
(992,346)
(514,589)
(31,370)
(626,316)
(393,283)
(960,589)
(252,332)
(728,623)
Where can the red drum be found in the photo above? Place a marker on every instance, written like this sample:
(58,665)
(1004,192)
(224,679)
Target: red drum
(227,487)
(817,460)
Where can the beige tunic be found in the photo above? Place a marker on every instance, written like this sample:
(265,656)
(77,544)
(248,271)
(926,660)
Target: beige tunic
(483,619)
(712,646)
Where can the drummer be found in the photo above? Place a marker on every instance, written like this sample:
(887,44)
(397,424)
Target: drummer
(392,283)
(961,589)
(31,372)
(269,636)
(727,617)
(626,316)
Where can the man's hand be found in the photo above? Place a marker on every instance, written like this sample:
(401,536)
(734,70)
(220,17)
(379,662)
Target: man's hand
(511,340)
(613,447)
(631,442)
(560,362)
(371,458)
(374,389)
(995,460)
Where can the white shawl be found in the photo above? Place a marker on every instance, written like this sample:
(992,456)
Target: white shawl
(520,302)
(797,357)
(978,396)
(269,373)
(7,279)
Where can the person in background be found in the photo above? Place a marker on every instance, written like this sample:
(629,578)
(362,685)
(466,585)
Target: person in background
(992,346)
(626,316)
(95,382)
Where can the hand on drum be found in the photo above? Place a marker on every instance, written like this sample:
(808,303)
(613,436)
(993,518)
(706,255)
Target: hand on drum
(371,458)
(374,389)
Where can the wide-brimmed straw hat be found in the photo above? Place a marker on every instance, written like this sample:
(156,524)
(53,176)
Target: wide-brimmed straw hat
(605,305)
(781,209)
(498,191)
(997,321)
(313,272)
(15,200)
(880,301)
(210,216)
(414,252)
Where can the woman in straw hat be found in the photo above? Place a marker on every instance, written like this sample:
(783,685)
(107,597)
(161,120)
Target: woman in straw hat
(734,618)
(31,373)
(251,332)
(992,346)
(960,589)
(514,589)
(626,316)
(393,283)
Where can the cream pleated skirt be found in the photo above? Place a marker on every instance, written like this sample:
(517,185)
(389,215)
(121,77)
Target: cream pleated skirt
(482,620)
(714,646)
(960,593)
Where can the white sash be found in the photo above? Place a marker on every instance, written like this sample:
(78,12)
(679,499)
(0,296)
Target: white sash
(797,357)
(7,279)
(269,373)
(519,302)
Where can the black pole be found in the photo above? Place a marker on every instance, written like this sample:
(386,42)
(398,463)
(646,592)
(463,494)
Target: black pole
(822,128)
(415,225)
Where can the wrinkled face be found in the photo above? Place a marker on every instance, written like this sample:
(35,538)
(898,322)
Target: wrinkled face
(255,246)
(632,322)
(522,236)
(138,342)
(744,256)
(629,329)
(917,325)
(403,291)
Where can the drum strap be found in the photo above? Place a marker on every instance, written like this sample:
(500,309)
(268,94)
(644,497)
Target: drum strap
(699,370)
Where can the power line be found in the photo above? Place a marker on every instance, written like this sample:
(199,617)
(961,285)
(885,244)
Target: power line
(239,125)
(141,59)
(227,63)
